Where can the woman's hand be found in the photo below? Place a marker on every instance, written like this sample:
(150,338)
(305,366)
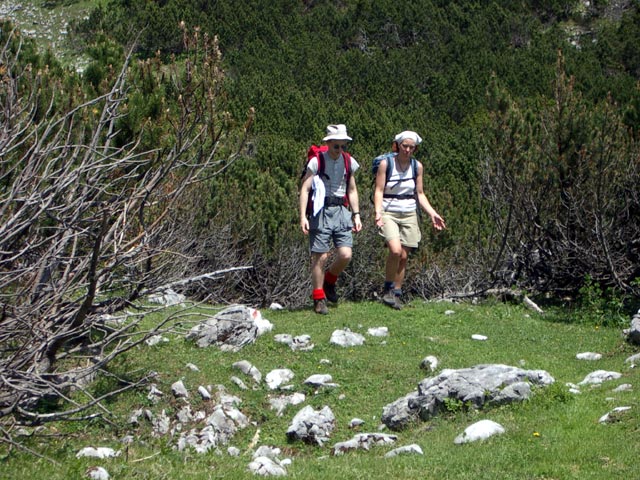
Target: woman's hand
(379,222)
(438,222)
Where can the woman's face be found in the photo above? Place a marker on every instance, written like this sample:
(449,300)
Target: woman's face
(406,148)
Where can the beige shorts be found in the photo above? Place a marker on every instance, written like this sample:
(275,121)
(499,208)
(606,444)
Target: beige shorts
(401,226)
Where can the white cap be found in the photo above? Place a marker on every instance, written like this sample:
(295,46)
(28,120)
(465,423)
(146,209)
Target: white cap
(408,134)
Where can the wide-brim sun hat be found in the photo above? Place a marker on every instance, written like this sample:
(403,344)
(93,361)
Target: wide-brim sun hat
(336,132)
(408,134)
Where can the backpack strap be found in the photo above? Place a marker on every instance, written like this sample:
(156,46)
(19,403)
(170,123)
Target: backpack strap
(347,174)
(414,171)
(321,163)
(390,163)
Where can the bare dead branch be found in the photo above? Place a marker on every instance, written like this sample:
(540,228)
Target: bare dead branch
(88,222)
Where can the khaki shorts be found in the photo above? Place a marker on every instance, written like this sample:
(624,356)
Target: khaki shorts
(401,226)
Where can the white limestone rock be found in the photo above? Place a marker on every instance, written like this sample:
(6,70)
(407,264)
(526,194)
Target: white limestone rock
(479,431)
(589,356)
(98,452)
(413,449)
(599,376)
(278,378)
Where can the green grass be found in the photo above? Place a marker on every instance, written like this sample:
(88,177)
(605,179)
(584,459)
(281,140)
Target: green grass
(555,435)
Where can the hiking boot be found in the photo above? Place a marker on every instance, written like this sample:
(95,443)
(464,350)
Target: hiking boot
(320,306)
(398,305)
(330,292)
(390,299)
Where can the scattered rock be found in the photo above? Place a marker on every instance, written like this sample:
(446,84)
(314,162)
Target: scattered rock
(97,473)
(346,338)
(600,376)
(221,426)
(248,369)
(135,416)
(573,388)
(633,333)
(312,426)
(301,343)
(184,415)
(267,451)
(156,340)
(356,422)
(589,356)
(161,424)
(625,387)
(278,377)
(614,415)
(238,382)
(407,449)
(479,431)
(179,390)
(285,338)
(633,359)
(378,331)
(266,462)
(280,403)
(363,441)
(111,320)
(154,394)
(320,380)
(429,363)
(230,329)
(266,467)
(167,298)
(98,452)
(204,393)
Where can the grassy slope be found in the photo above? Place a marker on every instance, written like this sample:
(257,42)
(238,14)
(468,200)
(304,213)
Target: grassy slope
(555,435)
(48,26)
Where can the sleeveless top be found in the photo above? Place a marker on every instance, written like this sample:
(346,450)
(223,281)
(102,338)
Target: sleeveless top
(395,187)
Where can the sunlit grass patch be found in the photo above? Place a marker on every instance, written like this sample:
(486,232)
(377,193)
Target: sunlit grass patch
(555,434)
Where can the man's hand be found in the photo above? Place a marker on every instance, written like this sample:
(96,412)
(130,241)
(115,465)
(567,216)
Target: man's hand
(357,224)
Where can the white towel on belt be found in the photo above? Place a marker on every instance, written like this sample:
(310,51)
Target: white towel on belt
(318,194)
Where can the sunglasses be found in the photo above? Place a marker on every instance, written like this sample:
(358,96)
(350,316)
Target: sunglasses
(337,146)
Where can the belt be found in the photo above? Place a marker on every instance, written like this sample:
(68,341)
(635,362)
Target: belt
(398,197)
(333,201)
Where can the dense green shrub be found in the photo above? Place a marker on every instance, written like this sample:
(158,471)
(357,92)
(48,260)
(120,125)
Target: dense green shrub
(382,66)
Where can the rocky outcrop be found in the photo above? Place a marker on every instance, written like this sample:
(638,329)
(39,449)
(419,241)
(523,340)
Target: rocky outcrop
(473,387)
